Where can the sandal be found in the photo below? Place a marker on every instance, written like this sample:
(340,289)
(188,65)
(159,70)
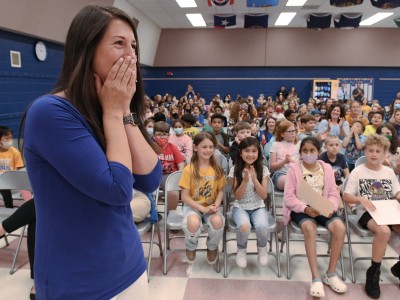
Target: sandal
(335,283)
(317,289)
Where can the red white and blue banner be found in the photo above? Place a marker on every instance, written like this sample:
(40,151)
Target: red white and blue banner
(256,21)
(261,3)
(220,2)
(224,21)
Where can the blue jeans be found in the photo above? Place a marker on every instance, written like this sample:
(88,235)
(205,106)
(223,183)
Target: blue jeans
(214,235)
(258,218)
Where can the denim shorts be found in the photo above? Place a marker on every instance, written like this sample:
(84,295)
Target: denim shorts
(276,176)
(299,218)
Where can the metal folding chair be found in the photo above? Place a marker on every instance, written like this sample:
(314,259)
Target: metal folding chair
(13,180)
(173,219)
(144,227)
(351,221)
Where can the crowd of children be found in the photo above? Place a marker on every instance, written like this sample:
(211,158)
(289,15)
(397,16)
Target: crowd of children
(318,141)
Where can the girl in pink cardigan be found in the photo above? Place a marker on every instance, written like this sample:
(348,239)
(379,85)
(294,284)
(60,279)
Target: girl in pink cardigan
(321,177)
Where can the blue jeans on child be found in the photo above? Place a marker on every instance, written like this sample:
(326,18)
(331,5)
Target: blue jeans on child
(258,218)
(214,235)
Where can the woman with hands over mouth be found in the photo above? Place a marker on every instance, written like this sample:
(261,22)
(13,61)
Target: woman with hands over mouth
(86,148)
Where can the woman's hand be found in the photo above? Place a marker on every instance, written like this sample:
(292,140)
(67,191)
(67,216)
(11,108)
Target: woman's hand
(341,121)
(116,93)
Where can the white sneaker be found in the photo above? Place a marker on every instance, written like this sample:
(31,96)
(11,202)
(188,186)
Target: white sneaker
(262,256)
(241,260)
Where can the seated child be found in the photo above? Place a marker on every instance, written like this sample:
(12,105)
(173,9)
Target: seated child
(202,184)
(181,140)
(320,176)
(354,144)
(189,121)
(249,179)
(241,130)
(374,181)
(282,152)
(170,157)
(376,121)
(308,124)
(217,121)
(10,159)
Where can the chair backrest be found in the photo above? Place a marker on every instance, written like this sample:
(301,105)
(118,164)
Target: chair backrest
(271,193)
(361,160)
(15,180)
(319,21)
(172,182)
(223,162)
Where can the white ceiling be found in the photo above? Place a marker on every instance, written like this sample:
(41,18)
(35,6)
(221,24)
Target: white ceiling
(167,13)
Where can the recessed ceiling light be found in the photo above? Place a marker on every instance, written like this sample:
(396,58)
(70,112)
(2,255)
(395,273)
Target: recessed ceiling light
(296,2)
(376,18)
(196,20)
(285,18)
(186,3)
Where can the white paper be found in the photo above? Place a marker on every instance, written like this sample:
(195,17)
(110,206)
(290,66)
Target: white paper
(307,194)
(387,212)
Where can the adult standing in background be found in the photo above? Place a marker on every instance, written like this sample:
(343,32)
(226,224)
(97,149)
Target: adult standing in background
(358,93)
(190,92)
(341,93)
(85,148)
(282,92)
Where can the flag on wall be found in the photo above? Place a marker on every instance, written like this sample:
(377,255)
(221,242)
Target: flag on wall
(220,2)
(222,21)
(261,3)
(256,21)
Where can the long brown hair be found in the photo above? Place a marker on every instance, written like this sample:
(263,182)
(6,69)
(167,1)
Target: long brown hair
(194,162)
(76,78)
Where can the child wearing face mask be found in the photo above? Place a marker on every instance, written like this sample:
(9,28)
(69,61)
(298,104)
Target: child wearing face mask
(10,159)
(181,140)
(170,157)
(320,177)
(149,124)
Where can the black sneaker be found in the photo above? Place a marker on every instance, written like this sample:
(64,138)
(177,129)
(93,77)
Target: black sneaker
(372,283)
(396,269)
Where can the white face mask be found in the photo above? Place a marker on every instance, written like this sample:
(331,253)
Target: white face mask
(309,159)
(178,130)
(6,145)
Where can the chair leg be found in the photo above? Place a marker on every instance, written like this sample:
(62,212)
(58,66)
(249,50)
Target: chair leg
(278,255)
(287,252)
(159,239)
(150,251)
(353,276)
(224,250)
(21,237)
(165,249)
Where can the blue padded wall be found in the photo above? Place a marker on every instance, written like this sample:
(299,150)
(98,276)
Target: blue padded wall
(19,86)
(263,80)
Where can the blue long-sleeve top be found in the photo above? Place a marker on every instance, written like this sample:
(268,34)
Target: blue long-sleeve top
(87,246)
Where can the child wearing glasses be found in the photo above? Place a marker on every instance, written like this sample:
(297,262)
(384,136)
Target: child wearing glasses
(283,152)
(170,157)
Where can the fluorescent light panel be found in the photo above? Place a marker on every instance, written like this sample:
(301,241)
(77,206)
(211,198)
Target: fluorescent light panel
(285,18)
(376,18)
(186,3)
(196,20)
(296,2)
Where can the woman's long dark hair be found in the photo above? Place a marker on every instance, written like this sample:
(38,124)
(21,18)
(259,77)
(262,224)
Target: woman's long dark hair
(76,78)
(240,163)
